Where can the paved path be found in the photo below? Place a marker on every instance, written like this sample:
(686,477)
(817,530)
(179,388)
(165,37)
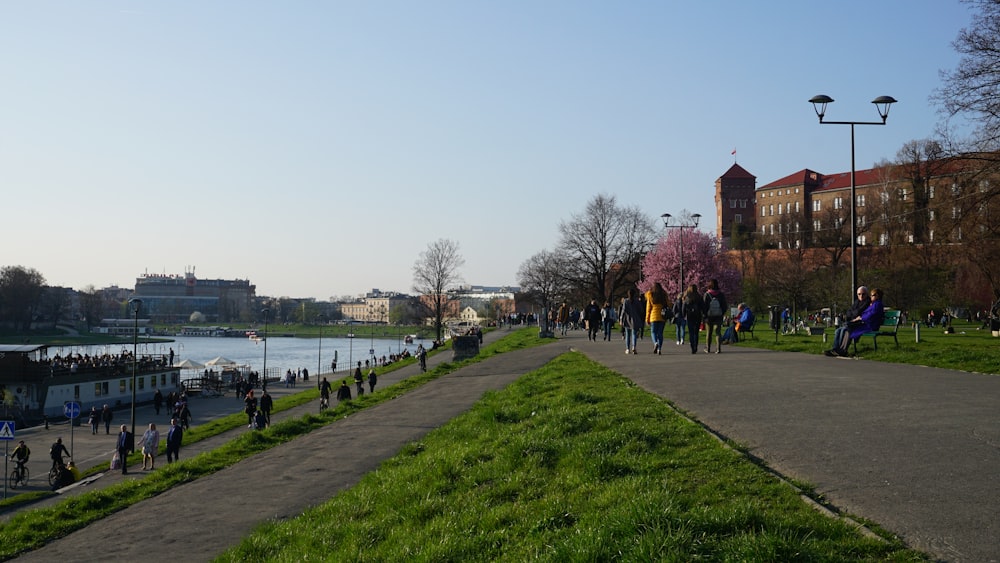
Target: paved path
(913,449)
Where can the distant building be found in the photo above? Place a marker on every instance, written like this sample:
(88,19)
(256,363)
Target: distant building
(173,298)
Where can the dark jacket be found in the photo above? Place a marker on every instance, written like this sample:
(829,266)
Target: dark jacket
(174,436)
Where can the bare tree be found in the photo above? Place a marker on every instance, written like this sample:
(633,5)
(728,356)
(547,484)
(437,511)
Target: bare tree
(542,278)
(972,90)
(603,247)
(20,295)
(435,273)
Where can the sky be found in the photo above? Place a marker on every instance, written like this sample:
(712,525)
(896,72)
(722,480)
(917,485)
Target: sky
(316,148)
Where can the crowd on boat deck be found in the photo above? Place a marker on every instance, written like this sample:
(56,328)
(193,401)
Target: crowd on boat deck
(73,363)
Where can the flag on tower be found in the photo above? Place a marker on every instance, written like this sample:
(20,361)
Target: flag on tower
(734,152)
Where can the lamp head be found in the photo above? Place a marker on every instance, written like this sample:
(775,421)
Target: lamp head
(135,303)
(696,217)
(819,104)
(882,104)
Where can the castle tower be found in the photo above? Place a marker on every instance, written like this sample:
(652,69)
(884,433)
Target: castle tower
(734,202)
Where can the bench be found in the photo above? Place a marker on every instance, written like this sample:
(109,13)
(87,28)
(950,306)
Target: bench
(744,330)
(889,327)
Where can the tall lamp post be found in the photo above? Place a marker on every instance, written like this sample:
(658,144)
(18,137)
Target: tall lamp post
(693,225)
(321,319)
(263,381)
(135,305)
(882,104)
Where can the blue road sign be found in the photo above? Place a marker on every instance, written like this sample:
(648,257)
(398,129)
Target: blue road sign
(71,409)
(6,429)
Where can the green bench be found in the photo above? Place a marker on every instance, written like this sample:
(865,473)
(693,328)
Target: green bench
(889,327)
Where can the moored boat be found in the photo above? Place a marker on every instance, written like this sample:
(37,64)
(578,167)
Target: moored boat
(35,385)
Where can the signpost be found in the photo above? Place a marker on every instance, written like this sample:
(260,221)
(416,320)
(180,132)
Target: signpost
(6,434)
(72,410)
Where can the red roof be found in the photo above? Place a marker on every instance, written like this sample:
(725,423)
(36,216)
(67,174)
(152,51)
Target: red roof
(737,171)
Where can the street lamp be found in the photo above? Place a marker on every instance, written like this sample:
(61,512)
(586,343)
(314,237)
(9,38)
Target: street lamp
(321,319)
(263,383)
(694,225)
(882,104)
(135,305)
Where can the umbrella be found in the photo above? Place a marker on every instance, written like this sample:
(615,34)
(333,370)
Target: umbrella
(220,361)
(188,364)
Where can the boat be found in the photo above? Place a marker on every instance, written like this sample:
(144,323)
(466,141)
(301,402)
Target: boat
(37,386)
(408,339)
(252,335)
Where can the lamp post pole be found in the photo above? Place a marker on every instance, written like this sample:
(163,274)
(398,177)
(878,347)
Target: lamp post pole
(319,360)
(882,104)
(135,305)
(694,225)
(263,381)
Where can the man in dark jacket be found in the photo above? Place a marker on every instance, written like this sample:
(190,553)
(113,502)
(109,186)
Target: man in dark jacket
(861,302)
(125,446)
(174,437)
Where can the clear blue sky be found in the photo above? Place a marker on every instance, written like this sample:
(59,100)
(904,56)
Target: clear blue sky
(316,148)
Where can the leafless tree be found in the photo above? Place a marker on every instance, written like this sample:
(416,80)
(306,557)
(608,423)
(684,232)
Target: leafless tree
(542,278)
(603,247)
(20,295)
(435,273)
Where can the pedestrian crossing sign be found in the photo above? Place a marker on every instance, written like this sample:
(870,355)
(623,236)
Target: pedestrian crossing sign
(6,429)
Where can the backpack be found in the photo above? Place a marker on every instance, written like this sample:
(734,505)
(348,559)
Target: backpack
(715,307)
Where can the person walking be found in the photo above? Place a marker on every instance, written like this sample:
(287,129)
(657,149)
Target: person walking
(592,316)
(715,311)
(150,446)
(372,380)
(680,323)
(266,404)
(94,420)
(174,437)
(125,446)
(657,310)
(608,319)
(359,380)
(343,392)
(157,401)
(106,416)
(562,318)
(632,318)
(250,407)
(692,310)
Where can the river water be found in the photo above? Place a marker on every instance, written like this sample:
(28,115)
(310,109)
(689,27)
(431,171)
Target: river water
(283,353)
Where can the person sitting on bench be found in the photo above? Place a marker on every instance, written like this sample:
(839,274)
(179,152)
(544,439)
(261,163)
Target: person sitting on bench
(870,320)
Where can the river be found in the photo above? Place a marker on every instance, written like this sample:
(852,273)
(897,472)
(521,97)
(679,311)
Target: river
(283,353)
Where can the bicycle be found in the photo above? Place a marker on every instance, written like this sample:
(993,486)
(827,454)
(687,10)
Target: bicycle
(324,403)
(57,466)
(19,476)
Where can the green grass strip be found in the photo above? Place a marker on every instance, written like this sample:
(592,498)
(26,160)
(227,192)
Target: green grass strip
(569,463)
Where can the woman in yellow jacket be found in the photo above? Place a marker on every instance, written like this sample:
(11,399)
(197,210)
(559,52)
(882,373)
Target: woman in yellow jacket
(657,312)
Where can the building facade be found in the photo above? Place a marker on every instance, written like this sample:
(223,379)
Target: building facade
(174,298)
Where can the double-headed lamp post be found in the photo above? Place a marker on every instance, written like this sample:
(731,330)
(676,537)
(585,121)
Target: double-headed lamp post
(694,225)
(135,305)
(882,104)
(263,381)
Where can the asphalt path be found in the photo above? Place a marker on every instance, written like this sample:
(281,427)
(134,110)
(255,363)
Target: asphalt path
(913,449)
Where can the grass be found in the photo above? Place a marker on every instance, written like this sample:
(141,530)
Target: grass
(31,529)
(969,349)
(569,463)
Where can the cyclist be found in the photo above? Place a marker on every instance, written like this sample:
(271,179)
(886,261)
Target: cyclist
(56,453)
(20,456)
(324,393)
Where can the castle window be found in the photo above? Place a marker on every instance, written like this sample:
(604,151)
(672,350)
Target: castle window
(816,205)
(796,207)
(732,204)
(861,200)
(738,218)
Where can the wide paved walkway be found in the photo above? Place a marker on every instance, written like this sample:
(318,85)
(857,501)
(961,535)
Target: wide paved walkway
(913,449)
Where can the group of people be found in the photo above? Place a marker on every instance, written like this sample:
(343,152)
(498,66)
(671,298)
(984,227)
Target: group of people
(258,412)
(149,445)
(687,312)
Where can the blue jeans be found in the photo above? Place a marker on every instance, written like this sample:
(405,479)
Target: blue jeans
(607,329)
(681,329)
(630,338)
(657,330)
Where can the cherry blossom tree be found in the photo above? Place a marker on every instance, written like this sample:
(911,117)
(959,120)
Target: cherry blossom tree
(704,259)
